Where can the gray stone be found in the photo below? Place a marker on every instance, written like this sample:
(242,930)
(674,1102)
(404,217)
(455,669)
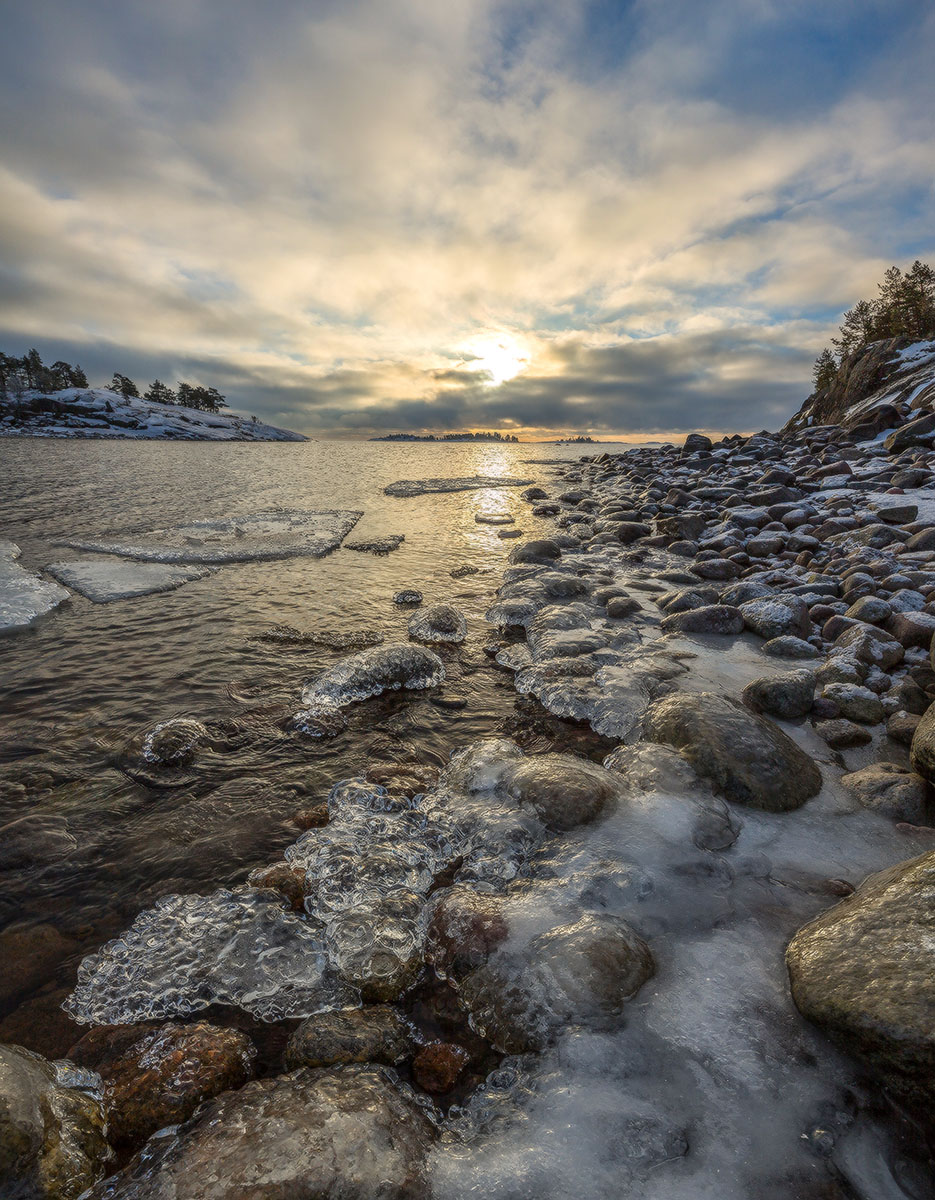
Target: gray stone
(777,616)
(891,790)
(922,751)
(854,702)
(562,790)
(746,758)
(787,696)
(711,618)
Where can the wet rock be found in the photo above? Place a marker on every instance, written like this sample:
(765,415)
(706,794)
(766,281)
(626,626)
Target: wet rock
(715,568)
(922,751)
(350,1133)
(746,758)
(864,972)
(465,927)
(407,596)
(870,645)
(890,790)
(563,791)
(902,726)
(52,1128)
(283,878)
(544,551)
(438,1065)
(777,616)
(311,818)
(712,618)
(360,676)
(403,778)
(438,623)
(841,734)
(619,607)
(494,518)
(787,696)
(376,1034)
(379,546)
(157,1075)
(534,493)
(574,974)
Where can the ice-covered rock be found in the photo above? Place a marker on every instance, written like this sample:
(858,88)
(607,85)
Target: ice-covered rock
(353,1133)
(360,676)
(52,1128)
(438,623)
(106,579)
(462,483)
(24,597)
(375,1034)
(747,758)
(233,947)
(562,790)
(787,696)
(250,537)
(407,596)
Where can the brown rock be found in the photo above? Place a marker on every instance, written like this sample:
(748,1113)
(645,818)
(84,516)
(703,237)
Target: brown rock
(376,1033)
(312,818)
(437,1066)
(156,1075)
(30,955)
(284,878)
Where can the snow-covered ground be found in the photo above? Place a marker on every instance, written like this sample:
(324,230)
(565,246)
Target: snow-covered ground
(97,413)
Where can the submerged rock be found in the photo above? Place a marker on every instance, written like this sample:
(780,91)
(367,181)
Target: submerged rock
(562,790)
(407,596)
(438,623)
(747,758)
(346,1134)
(437,1066)
(174,743)
(865,972)
(157,1075)
(52,1128)
(380,545)
(376,1034)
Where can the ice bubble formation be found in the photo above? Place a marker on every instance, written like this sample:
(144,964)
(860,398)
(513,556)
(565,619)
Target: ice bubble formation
(361,676)
(233,947)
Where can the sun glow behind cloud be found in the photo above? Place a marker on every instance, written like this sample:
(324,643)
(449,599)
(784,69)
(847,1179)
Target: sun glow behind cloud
(392,214)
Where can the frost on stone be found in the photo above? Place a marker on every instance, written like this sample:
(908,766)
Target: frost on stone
(438,623)
(187,952)
(462,483)
(24,597)
(252,537)
(105,579)
(360,676)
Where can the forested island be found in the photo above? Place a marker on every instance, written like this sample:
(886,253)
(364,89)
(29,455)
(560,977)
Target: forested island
(446,437)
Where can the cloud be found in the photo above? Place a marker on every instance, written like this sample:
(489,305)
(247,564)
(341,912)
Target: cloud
(313,206)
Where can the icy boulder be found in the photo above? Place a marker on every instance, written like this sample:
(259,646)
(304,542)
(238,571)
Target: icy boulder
(562,790)
(233,947)
(463,483)
(52,1128)
(352,1133)
(438,623)
(251,537)
(105,579)
(24,597)
(360,676)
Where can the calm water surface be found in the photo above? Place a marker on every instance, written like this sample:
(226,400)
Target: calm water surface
(77,691)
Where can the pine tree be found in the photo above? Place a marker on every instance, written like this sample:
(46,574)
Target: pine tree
(159,393)
(126,387)
(824,371)
(78,377)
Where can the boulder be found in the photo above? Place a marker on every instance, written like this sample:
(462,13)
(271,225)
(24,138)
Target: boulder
(787,696)
(864,971)
(563,791)
(745,757)
(777,616)
(711,618)
(52,1128)
(351,1133)
(157,1075)
(891,790)
(438,623)
(922,750)
(376,1034)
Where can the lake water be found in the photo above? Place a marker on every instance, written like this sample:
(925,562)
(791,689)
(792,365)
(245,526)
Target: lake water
(77,689)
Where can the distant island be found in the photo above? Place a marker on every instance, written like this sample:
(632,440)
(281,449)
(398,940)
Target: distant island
(56,402)
(446,437)
(572,441)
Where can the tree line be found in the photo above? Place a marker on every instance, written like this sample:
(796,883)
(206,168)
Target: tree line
(904,307)
(30,374)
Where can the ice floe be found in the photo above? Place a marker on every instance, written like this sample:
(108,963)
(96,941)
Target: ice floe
(250,537)
(105,579)
(461,483)
(24,597)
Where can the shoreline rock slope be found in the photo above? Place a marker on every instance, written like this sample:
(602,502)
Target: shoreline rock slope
(550,974)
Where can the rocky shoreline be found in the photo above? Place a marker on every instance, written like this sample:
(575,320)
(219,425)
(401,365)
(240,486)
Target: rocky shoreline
(545,974)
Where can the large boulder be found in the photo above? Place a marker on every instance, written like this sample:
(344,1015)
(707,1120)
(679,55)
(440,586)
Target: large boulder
(347,1134)
(746,758)
(864,971)
(157,1075)
(52,1128)
(777,616)
(376,1033)
(563,791)
(922,750)
(787,696)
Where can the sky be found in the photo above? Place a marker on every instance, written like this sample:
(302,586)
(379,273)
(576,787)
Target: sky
(362,216)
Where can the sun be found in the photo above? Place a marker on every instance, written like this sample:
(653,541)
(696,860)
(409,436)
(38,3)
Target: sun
(500,355)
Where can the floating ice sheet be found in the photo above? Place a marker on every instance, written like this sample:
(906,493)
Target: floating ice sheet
(24,597)
(461,483)
(105,579)
(233,947)
(282,533)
